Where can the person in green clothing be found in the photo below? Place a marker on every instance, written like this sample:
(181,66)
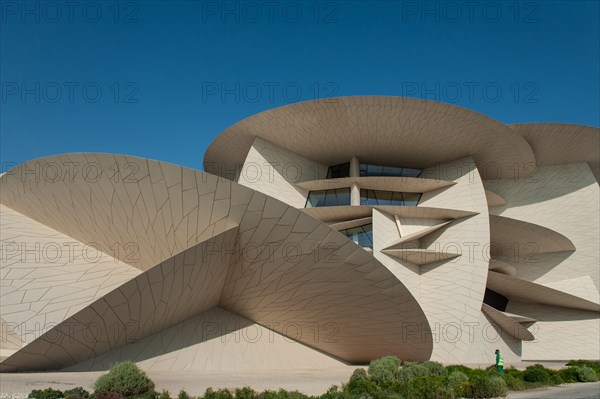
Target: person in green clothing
(499,361)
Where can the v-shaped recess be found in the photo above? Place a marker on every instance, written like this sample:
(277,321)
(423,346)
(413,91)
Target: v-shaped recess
(416,235)
(408,247)
(420,256)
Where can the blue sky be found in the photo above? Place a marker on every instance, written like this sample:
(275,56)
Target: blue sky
(161,79)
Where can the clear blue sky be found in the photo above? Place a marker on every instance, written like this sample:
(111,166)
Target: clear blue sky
(172,75)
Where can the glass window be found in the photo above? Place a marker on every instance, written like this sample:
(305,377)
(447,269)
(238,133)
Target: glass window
(411,199)
(374,170)
(337,197)
(380,170)
(380,197)
(411,172)
(339,171)
(362,235)
(391,171)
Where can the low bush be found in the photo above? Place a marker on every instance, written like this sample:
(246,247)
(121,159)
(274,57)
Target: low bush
(281,394)
(124,380)
(183,395)
(431,387)
(245,393)
(76,393)
(555,377)
(435,368)
(513,372)
(384,370)
(219,394)
(568,374)
(537,373)
(586,374)
(486,387)
(470,373)
(457,382)
(593,364)
(47,393)
(410,372)
(514,383)
(334,393)
(164,395)
(463,369)
(359,382)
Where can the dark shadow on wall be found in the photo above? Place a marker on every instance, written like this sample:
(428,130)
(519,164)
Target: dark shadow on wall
(549,313)
(537,265)
(499,335)
(540,187)
(215,324)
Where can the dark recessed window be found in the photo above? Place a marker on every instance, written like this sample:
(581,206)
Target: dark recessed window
(337,197)
(367,169)
(379,197)
(495,300)
(339,171)
(362,235)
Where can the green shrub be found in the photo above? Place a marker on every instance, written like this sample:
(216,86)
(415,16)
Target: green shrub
(220,394)
(586,374)
(470,373)
(384,369)
(555,378)
(295,395)
(435,368)
(568,374)
(379,395)
(514,383)
(47,393)
(457,381)
(359,382)
(513,379)
(463,369)
(430,387)
(164,395)
(76,393)
(282,394)
(410,372)
(334,393)
(593,364)
(245,393)
(183,395)
(513,372)
(487,387)
(537,373)
(124,380)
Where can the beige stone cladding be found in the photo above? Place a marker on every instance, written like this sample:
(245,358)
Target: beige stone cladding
(276,172)
(109,257)
(564,199)
(244,251)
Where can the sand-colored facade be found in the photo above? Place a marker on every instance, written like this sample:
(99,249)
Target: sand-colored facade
(296,248)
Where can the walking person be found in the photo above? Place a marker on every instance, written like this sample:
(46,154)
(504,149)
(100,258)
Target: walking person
(499,361)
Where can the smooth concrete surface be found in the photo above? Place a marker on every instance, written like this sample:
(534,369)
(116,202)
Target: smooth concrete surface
(589,390)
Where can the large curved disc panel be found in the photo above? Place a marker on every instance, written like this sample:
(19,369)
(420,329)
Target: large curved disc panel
(327,281)
(375,129)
